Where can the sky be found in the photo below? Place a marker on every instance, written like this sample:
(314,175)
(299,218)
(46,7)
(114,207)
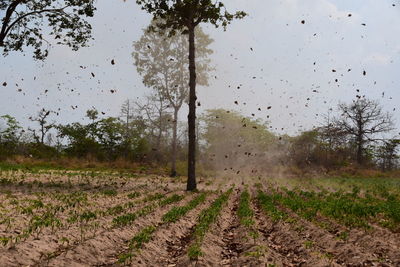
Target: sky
(271,56)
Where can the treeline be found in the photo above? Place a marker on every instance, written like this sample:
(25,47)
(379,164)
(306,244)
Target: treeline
(129,136)
(359,134)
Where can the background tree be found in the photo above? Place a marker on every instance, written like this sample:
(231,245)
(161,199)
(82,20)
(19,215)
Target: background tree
(163,63)
(157,120)
(387,154)
(10,135)
(24,21)
(44,126)
(362,120)
(184,16)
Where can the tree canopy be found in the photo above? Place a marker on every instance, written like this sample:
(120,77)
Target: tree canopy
(26,23)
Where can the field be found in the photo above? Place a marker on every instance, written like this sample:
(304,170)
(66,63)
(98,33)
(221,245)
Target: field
(93,218)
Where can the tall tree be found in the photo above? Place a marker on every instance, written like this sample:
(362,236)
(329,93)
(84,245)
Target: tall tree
(184,16)
(362,120)
(24,21)
(163,63)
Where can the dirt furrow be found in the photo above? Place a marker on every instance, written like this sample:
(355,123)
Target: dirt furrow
(103,249)
(287,245)
(170,241)
(218,245)
(50,246)
(378,242)
(341,251)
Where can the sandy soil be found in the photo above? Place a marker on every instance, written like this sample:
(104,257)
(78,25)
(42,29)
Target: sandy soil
(294,242)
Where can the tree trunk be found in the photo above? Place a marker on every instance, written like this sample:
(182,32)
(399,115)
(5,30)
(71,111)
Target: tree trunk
(191,182)
(359,151)
(174,143)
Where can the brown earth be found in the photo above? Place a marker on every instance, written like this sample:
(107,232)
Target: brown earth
(294,242)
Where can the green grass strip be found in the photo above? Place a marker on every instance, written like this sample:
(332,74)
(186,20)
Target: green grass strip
(205,219)
(128,218)
(268,205)
(244,212)
(177,212)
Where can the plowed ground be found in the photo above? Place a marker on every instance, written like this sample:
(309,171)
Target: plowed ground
(108,219)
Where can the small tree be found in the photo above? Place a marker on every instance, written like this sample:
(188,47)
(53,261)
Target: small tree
(44,125)
(362,120)
(387,154)
(184,16)
(10,136)
(163,63)
(24,21)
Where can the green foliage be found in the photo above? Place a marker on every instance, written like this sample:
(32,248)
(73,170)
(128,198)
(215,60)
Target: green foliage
(105,139)
(348,208)
(152,197)
(25,21)
(133,195)
(128,218)
(172,199)
(194,252)
(178,212)
(124,219)
(125,258)
(109,192)
(115,210)
(177,15)
(142,237)
(268,204)
(9,136)
(244,212)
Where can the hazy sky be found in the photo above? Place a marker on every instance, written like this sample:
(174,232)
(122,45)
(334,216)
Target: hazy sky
(270,55)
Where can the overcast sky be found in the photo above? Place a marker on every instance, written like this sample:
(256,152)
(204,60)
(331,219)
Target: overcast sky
(274,58)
